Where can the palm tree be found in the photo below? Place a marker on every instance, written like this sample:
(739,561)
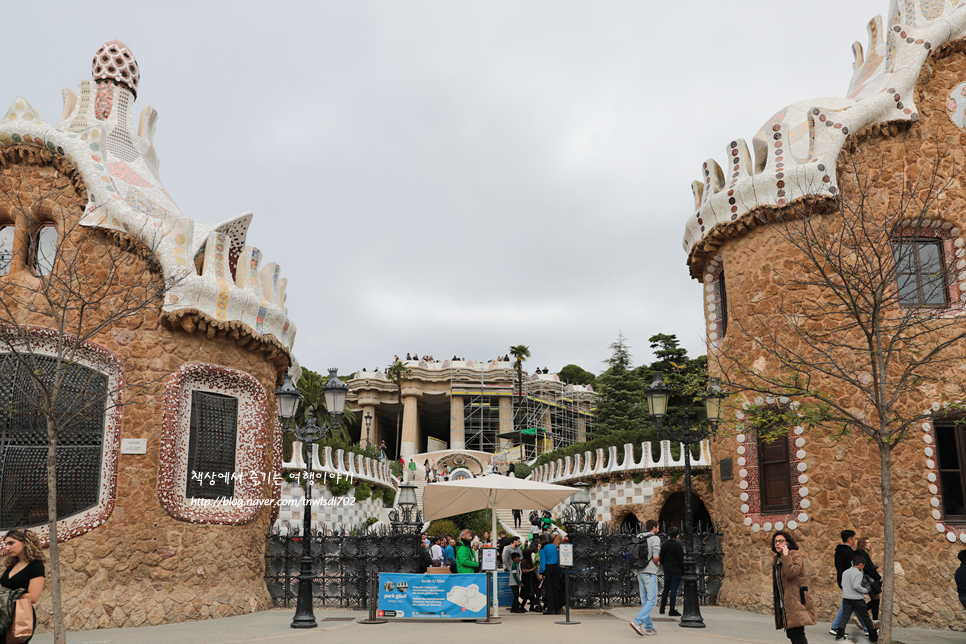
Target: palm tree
(520,353)
(397,373)
(312,384)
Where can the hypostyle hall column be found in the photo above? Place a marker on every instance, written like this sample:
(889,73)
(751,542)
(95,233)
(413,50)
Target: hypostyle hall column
(410,423)
(368,403)
(457,435)
(506,420)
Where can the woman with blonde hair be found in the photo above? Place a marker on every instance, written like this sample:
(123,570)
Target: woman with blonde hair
(24,565)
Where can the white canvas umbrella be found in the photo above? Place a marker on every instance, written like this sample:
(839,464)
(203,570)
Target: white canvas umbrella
(493,491)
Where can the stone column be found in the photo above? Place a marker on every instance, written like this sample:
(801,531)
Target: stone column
(581,428)
(506,420)
(368,403)
(457,435)
(410,423)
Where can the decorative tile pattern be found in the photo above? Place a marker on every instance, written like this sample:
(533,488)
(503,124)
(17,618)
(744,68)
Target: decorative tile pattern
(788,164)
(119,166)
(44,342)
(250,469)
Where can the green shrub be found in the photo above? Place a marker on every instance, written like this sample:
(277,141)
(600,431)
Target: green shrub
(439,527)
(376,492)
(339,487)
(638,478)
(363,491)
(521,470)
(388,497)
(396,468)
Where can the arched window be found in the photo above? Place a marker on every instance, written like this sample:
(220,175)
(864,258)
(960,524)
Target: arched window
(44,249)
(6,247)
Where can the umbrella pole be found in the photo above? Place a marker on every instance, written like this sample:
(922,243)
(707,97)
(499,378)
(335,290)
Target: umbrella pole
(496,574)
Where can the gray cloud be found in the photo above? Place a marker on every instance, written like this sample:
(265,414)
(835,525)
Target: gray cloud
(453,177)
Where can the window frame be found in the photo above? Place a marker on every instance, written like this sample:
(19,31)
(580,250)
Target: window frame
(251,486)
(786,468)
(44,341)
(959,436)
(918,272)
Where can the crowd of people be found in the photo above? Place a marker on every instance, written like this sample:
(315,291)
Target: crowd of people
(533,564)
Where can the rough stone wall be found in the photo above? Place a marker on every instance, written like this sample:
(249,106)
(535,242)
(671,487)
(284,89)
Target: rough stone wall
(142,565)
(843,475)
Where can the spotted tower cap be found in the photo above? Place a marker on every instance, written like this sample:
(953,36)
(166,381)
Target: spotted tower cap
(114,62)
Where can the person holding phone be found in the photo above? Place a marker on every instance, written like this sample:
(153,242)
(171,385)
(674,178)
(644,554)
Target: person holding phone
(794,609)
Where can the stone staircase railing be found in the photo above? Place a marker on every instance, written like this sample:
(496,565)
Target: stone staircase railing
(590,464)
(348,465)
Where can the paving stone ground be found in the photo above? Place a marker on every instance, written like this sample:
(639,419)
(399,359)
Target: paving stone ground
(724,626)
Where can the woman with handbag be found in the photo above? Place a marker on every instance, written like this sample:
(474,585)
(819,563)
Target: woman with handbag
(794,609)
(24,566)
(863,547)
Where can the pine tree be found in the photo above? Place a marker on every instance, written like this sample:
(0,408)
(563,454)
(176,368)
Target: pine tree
(620,402)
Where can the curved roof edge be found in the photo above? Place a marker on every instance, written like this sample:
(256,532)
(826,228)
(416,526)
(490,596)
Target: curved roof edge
(119,167)
(796,150)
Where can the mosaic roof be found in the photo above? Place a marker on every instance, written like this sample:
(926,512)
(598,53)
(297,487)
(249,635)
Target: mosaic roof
(795,151)
(119,166)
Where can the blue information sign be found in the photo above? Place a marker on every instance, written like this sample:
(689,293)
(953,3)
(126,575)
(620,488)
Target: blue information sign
(503,592)
(432,596)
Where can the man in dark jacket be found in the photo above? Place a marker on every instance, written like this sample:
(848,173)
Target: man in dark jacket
(960,577)
(672,558)
(844,553)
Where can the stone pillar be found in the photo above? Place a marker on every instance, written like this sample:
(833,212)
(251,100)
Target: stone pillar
(581,428)
(457,435)
(506,420)
(374,437)
(410,423)
(368,402)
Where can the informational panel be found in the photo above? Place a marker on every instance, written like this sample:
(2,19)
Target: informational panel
(432,596)
(566,554)
(489,559)
(134,446)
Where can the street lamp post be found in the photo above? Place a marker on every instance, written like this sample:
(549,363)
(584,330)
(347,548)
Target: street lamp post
(687,434)
(368,419)
(288,397)
(406,517)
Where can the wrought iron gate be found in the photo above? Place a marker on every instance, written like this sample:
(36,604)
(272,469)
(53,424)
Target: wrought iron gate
(604,576)
(343,559)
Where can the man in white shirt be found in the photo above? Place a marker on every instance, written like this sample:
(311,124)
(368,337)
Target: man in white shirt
(437,552)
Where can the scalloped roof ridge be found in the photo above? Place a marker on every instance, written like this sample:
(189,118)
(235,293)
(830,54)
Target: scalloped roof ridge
(119,166)
(796,150)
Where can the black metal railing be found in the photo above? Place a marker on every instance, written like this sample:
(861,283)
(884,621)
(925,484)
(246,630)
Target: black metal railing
(603,574)
(344,558)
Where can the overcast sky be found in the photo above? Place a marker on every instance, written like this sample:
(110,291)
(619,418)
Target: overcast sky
(453,177)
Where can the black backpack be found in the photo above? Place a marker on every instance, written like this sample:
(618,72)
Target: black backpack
(637,552)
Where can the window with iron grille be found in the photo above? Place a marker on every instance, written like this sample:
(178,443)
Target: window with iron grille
(211,446)
(951,453)
(921,272)
(80,411)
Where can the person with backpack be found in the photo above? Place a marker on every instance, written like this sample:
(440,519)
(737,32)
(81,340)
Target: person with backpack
(645,565)
(466,561)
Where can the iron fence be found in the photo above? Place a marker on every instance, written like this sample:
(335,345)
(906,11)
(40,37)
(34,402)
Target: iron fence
(604,576)
(343,559)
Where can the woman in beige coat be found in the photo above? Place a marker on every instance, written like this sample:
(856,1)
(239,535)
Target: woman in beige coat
(793,604)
